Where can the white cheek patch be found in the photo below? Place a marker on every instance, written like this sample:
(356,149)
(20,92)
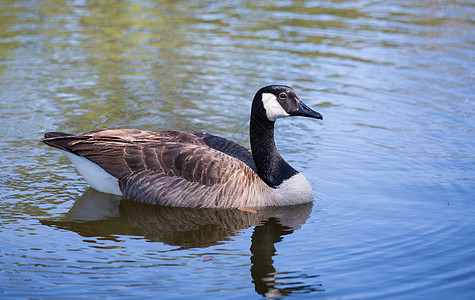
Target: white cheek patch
(273,109)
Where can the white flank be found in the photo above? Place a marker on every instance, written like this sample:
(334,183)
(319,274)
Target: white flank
(94,175)
(273,109)
(296,190)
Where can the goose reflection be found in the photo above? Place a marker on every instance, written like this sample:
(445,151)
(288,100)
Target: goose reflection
(96,214)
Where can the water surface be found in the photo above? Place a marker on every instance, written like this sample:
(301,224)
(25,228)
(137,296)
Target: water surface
(392,164)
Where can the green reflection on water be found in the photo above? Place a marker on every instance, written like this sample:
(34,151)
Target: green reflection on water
(404,67)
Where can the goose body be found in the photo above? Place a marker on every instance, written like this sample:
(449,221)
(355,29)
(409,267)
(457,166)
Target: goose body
(190,169)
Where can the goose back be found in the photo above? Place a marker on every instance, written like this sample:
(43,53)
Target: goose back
(204,170)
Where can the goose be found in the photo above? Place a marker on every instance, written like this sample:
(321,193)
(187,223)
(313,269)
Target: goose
(193,169)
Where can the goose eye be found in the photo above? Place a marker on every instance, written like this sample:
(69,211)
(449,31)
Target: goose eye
(282,96)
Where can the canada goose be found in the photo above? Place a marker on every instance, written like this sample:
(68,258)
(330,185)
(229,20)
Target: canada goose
(190,169)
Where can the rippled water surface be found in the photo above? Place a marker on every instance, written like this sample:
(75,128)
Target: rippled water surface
(392,164)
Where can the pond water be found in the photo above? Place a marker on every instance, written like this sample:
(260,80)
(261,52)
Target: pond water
(392,164)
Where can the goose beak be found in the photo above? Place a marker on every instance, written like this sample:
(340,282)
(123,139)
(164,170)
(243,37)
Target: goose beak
(305,111)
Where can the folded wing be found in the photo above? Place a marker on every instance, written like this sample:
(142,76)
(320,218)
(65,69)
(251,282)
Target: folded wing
(167,167)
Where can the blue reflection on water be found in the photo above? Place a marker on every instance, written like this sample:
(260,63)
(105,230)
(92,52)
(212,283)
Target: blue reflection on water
(392,165)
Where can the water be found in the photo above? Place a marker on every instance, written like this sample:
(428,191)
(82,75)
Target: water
(392,164)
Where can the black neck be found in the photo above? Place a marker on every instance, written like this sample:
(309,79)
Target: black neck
(271,167)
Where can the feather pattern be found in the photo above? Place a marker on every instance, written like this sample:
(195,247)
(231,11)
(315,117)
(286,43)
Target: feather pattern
(148,163)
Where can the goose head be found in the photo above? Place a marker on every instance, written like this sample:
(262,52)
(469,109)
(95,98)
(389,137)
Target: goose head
(280,101)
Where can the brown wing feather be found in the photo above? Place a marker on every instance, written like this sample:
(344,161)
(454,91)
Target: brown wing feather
(172,168)
(162,189)
(123,152)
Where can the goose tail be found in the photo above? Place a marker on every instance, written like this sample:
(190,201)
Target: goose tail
(59,140)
